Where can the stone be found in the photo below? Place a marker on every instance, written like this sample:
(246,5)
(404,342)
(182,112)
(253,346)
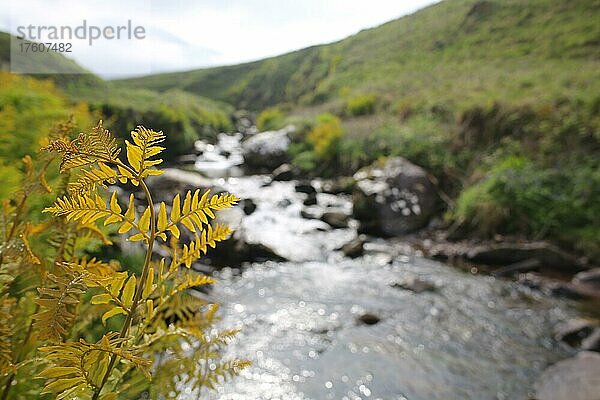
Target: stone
(592,342)
(505,253)
(310,200)
(248,206)
(368,318)
(337,219)
(393,198)
(305,187)
(354,248)
(415,284)
(574,331)
(575,378)
(342,185)
(283,173)
(266,151)
(588,282)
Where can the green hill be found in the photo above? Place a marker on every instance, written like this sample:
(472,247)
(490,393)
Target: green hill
(185,116)
(457,51)
(498,99)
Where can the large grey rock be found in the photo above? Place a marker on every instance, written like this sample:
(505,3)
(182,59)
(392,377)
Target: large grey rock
(266,151)
(239,248)
(576,378)
(393,198)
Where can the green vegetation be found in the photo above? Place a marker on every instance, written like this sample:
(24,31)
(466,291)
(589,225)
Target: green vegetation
(29,108)
(82,327)
(475,91)
(270,119)
(459,53)
(363,104)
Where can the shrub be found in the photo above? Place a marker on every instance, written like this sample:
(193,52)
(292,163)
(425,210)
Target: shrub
(325,136)
(270,119)
(518,196)
(363,104)
(28,108)
(51,294)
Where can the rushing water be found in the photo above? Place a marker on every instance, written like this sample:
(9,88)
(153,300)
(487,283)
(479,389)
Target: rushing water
(474,337)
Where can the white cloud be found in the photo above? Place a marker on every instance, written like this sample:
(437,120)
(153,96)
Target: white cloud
(186,34)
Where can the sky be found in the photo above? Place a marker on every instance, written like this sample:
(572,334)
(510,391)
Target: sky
(187,34)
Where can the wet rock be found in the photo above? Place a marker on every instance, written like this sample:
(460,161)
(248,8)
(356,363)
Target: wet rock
(337,219)
(588,282)
(284,172)
(354,248)
(393,198)
(575,378)
(548,255)
(414,284)
(310,200)
(592,342)
(311,213)
(368,319)
(342,185)
(238,248)
(549,286)
(248,206)
(305,187)
(266,151)
(283,203)
(574,331)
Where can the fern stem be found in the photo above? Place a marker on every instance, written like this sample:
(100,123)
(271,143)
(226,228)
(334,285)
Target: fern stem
(140,286)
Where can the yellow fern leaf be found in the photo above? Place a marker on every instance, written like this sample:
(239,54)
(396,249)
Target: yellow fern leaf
(57,304)
(90,178)
(142,149)
(197,210)
(86,149)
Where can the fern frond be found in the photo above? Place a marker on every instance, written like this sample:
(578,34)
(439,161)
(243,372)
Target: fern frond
(196,210)
(6,357)
(118,287)
(144,147)
(220,371)
(78,367)
(208,237)
(57,303)
(86,149)
(89,179)
(88,210)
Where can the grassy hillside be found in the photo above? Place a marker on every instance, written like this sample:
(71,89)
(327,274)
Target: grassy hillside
(183,115)
(498,99)
(461,52)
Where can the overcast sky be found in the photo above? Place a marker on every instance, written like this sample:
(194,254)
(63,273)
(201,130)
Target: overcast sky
(187,34)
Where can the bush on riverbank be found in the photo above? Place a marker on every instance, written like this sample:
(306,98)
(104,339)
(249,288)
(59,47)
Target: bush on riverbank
(511,169)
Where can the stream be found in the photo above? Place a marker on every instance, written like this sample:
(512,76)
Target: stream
(473,337)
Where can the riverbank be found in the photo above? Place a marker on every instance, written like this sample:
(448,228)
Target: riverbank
(327,311)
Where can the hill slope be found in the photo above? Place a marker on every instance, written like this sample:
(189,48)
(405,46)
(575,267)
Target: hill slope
(183,115)
(458,51)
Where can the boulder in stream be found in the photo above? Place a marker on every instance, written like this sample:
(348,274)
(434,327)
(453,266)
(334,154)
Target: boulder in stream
(393,198)
(284,172)
(354,248)
(575,378)
(337,219)
(266,151)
